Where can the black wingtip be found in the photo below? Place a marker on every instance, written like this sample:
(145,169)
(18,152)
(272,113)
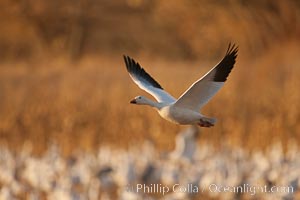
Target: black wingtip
(227,63)
(127,62)
(131,65)
(232,49)
(136,70)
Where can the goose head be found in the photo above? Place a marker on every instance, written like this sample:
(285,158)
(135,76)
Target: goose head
(140,100)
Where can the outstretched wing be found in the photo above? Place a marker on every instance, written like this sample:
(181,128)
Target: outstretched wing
(206,87)
(146,82)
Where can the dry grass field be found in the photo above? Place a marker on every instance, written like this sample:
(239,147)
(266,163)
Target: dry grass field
(62,77)
(86,104)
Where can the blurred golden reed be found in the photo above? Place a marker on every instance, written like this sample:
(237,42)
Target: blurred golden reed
(62,77)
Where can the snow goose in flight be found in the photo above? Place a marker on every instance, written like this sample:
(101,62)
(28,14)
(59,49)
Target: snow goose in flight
(184,110)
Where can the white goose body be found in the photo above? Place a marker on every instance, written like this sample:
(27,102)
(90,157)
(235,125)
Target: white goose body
(179,115)
(184,110)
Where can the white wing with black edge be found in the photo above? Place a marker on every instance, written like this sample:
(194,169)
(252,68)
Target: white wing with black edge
(146,82)
(206,87)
